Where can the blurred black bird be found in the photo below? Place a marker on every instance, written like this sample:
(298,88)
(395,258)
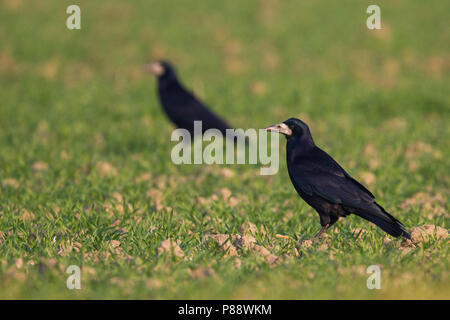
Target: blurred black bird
(181,106)
(325,185)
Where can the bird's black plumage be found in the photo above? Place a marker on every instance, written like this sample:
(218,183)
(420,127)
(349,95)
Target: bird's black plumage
(181,106)
(326,186)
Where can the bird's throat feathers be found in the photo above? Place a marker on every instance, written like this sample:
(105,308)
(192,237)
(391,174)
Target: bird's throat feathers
(298,146)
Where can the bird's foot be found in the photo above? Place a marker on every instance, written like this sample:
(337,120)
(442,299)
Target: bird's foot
(321,233)
(319,237)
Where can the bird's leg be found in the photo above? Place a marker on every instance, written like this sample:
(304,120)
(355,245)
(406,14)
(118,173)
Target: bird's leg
(324,228)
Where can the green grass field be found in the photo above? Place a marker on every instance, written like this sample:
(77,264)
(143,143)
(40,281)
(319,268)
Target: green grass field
(85,171)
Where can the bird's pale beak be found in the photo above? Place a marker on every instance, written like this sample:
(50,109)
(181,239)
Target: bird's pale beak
(280,128)
(154,68)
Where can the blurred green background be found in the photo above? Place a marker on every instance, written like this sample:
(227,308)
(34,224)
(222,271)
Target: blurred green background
(85,170)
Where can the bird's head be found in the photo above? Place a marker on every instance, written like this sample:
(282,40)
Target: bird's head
(291,128)
(161,69)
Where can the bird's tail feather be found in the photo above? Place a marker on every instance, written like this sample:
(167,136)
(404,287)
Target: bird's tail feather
(385,221)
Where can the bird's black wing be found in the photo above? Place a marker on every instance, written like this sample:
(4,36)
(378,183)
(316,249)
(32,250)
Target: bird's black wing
(318,173)
(183,108)
(333,186)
